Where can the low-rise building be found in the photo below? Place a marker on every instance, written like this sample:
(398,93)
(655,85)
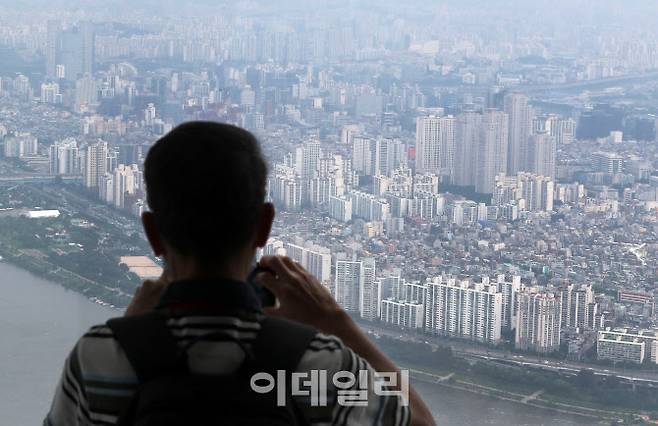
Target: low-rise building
(625,345)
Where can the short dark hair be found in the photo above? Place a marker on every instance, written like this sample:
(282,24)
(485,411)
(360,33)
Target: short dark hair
(205,184)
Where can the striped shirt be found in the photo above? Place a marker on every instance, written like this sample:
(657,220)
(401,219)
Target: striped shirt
(98,381)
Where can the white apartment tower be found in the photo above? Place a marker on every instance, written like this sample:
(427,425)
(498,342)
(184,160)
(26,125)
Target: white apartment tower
(307,158)
(463,309)
(510,289)
(389,153)
(530,191)
(491,151)
(539,321)
(340,208)
(435,144)
(579,308)
(349,280)
(467,149)
(402,313)
(362,155)
(566,131)
(370,292)
(542,153)
(126,180)
(520,126)
(314,258)
(63,157)
(96,156)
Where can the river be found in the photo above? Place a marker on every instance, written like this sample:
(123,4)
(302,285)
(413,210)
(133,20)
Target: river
(40,322)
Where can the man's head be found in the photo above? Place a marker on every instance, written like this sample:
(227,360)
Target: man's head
(205,186)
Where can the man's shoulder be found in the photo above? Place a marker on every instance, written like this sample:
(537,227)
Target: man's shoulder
(98,349)
(324,352)
(98,331)
(99,353)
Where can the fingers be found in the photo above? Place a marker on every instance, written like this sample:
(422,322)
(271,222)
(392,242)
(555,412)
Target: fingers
(294,266)
(152,287)
(290,276)
(282,266)
(164,277)
(286,267)
(272,283)
(302,297)
(146,297)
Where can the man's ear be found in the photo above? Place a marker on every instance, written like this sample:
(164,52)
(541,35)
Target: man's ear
(152,234)
(264,225)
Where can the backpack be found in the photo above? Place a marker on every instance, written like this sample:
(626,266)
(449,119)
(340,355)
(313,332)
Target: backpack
(169,394)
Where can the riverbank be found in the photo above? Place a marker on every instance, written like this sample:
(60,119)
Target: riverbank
(40,266)
(595,415)
(602,398)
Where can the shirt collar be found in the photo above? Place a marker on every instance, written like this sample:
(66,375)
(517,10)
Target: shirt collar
(220,294)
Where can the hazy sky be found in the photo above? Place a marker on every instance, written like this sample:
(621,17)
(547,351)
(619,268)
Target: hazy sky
(582,7)
(526,16)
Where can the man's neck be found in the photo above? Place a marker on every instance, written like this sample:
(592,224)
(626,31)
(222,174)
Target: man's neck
(184,269)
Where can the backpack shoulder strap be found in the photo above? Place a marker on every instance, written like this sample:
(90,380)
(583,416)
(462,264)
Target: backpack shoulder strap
(151,348)
(281,343)
(149,345)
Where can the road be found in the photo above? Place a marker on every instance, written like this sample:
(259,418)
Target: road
(72,203)
(36,178)
(474,351)
(590,84)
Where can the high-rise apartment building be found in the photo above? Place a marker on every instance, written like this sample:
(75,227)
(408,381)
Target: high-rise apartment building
(356,288)
(314,258)
(402,313)
(370,292)
(86,93)
(388,155)
(96,163)
(447,138)
(538,321)
(340,208)
(75,51)
(414,292)
(435,144)
(126,180)
(531,192)
(369,207)
(21,145)
(22,88)
(50,93)
(371,157)
(520,126)
(566,131)
(608,162)
(542,153)
(307,159)
(64,158)
(348,283)
(52,42)
(362,154)
(467,147)
(579,308)
(463,309)
(392,283)
(510,289)
(492,150)
(285,188)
